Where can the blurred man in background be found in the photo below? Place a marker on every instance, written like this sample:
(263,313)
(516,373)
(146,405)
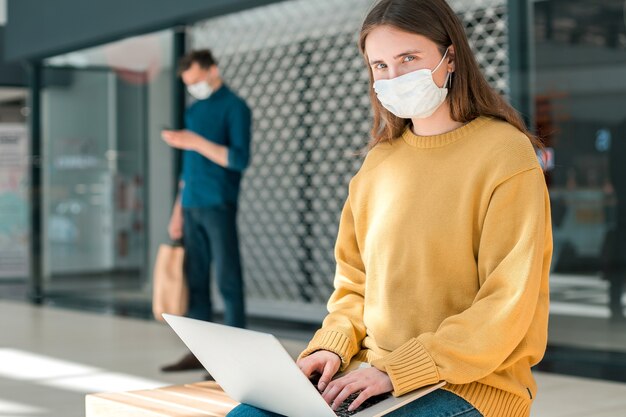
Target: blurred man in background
(216,150)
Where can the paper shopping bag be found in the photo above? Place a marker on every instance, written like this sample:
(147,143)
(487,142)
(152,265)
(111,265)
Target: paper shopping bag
(170,293)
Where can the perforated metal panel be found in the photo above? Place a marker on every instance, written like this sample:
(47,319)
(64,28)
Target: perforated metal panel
(297,65)
(486,28)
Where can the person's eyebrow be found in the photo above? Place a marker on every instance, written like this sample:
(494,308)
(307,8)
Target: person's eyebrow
(413,51)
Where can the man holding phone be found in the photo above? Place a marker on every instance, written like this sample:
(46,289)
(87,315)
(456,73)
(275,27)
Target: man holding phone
(216,150)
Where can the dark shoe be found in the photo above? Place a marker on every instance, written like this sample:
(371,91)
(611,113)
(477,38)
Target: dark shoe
(187,363)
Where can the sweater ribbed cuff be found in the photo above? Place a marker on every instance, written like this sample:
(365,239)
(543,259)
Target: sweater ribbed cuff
(409,367)
(492,401)
(332,341)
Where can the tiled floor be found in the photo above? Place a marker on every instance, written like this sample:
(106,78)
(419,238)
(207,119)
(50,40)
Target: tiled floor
(50,358)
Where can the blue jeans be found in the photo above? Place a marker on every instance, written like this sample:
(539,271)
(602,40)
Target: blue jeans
(436,404)
(210,237)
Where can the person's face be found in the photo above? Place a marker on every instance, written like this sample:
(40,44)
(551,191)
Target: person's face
(195,73)
(392,52)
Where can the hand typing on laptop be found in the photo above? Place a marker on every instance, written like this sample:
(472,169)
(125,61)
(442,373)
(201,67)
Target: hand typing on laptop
(368,382)
(256,370)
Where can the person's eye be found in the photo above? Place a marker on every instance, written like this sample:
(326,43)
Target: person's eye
(408,58)
(380,66)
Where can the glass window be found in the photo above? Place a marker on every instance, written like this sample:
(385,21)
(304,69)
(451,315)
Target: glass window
(102,111)
(14,187)
(580,92)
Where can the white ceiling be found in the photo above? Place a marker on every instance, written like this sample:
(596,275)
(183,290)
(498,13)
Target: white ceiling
(139,53)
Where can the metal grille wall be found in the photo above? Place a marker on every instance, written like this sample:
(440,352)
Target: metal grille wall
(297,65)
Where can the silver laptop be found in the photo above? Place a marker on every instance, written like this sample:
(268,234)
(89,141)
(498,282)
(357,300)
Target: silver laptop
(255,369)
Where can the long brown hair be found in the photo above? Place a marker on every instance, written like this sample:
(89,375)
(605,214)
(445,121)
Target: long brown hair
(469,95)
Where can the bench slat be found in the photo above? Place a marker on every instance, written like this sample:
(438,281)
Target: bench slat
(204,399)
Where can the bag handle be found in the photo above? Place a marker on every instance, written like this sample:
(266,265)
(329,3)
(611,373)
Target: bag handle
(176,243)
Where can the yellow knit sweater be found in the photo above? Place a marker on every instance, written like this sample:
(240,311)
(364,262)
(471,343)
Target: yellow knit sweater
(443,256)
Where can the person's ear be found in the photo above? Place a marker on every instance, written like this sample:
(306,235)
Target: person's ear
(214,72)
(451,59)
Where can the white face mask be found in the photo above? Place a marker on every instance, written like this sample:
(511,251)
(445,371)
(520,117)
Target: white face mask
(200,90)
(412,95)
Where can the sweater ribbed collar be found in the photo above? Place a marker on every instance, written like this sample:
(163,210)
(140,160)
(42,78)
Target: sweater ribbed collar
(436,141)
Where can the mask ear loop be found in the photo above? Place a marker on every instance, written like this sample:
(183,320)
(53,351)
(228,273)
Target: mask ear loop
(440,62)
(449,74)
(448,82)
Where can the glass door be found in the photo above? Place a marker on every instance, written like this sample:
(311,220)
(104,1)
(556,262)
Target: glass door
(93,124)
(580,91)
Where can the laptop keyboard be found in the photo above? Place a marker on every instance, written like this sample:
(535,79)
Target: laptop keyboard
(342,411)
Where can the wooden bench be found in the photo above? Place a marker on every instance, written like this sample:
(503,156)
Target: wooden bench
(191,400)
